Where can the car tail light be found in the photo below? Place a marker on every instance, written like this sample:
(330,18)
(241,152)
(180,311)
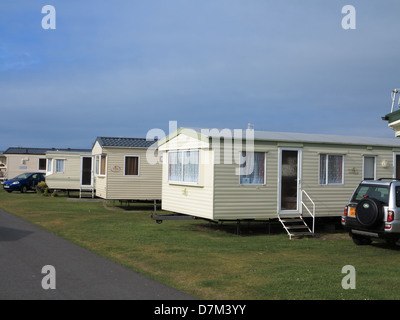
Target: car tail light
(390,216)
(346,208)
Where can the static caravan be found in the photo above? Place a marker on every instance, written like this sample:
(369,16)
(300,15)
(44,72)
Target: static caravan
(126,169)
(232,174)
(3,166)
(20,160)
(70,169)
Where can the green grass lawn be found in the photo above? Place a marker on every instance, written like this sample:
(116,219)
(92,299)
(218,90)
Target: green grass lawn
(212,262)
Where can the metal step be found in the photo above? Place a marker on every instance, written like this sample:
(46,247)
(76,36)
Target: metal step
(292,220)
(298,224)
(301,234)
(86,191)
(297,227)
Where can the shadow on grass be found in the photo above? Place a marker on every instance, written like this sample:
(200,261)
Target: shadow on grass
(243,227)
(268,227)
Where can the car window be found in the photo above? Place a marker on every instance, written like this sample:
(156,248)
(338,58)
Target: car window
(398,196)
(34,176)
(380,193)
(22,176)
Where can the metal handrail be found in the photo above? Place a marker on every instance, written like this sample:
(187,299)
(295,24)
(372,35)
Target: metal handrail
(394,92)
(312,214)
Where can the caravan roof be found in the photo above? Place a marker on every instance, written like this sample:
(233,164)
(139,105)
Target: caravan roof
(299,137)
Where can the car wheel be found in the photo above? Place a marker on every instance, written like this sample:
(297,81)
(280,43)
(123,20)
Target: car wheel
(369,212)
(24,189)
(361,241)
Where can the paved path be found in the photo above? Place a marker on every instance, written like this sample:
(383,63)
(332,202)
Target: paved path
(80,274)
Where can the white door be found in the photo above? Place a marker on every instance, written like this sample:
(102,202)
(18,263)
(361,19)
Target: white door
(289,180)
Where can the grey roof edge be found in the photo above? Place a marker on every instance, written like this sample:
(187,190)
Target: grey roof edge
(40,151)
(298,137)
(69,150)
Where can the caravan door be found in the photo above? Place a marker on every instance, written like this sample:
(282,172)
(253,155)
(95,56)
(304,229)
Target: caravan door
(289,180)
(87,172)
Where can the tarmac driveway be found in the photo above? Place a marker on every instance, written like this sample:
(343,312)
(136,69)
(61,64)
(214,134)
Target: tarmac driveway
(78,273)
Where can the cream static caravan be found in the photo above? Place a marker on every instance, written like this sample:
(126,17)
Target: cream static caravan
(320,170)
(122,170)
(70,169)
(20,160)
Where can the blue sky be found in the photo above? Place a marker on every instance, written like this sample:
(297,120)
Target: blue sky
(121,68)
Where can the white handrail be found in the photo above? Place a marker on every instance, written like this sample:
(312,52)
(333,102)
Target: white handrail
(313,211)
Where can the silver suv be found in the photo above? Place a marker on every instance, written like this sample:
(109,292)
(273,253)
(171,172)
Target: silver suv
(374,212)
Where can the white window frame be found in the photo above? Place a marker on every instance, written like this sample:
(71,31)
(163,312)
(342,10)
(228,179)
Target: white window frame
(132,175)
(299,207)
(182,169)
(97,165)
(363,170)
(49,166)
(63,167)
(265,171)
(327,169)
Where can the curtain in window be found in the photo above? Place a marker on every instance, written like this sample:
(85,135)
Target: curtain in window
(331,169)
(253,168)
(174,166)
(190,166)
(335,169)
(369,168)
(322,169)
(42,164)
(49,165)
(131,166)
(183,166)
(60,165)
(103,165)
(97,170)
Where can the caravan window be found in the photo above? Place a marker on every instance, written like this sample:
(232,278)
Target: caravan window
(42,164)
(331,169)
(131,165)
(183,166)
(252,168)
(100,165)
(369,168)
(49,165)
(60,165)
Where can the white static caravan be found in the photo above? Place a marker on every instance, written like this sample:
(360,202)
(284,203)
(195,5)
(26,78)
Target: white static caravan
(123,170)
(70,169)
(201,177)
(20,160)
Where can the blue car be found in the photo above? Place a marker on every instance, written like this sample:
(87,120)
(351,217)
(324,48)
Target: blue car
(24,182)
